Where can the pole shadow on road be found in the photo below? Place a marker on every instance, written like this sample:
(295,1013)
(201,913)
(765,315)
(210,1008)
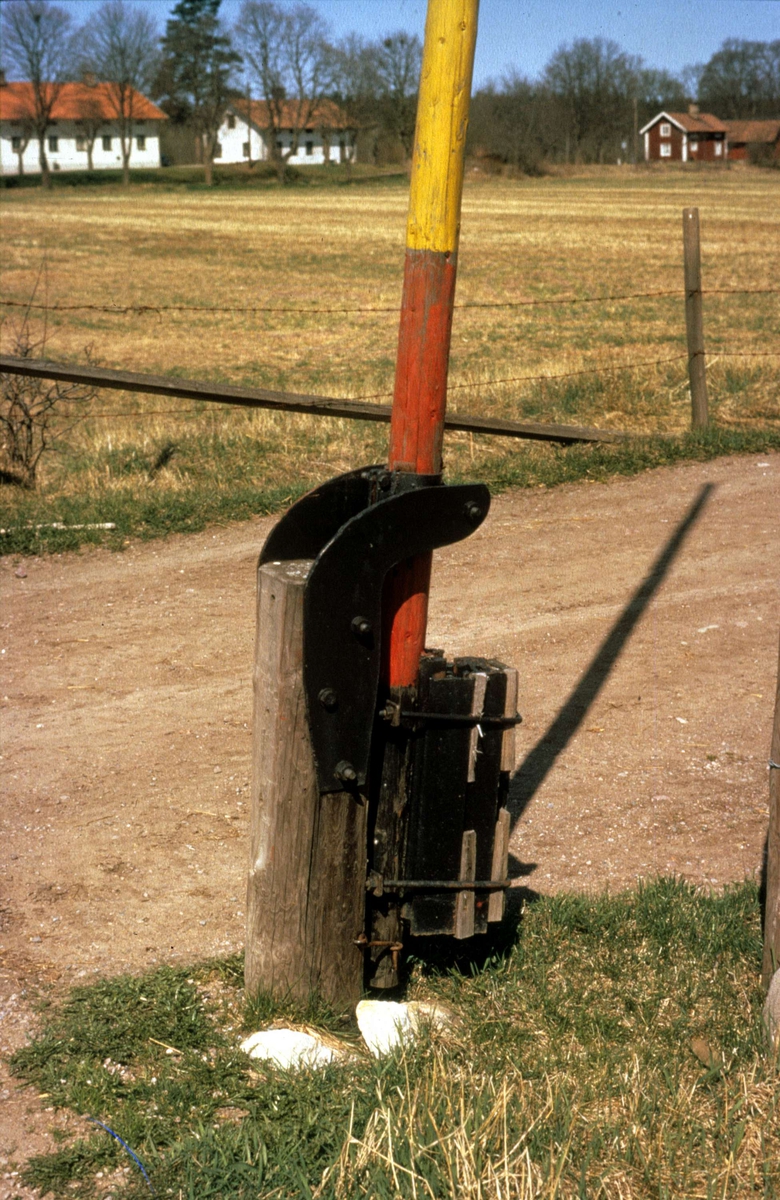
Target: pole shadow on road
(538,763)
(441,952)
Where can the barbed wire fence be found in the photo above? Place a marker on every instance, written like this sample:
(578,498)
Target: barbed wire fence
(353,408)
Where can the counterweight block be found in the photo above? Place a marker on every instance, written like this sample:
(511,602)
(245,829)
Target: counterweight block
(449,812)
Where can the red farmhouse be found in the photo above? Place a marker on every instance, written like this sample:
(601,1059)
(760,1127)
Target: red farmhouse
(759,136)
(685,137)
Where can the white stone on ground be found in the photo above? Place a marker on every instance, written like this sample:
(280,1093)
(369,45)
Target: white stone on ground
(387,1024)
(290,1048)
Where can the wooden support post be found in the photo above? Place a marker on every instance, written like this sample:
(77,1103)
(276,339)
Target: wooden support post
(307,870)
(693,319)
(772,910)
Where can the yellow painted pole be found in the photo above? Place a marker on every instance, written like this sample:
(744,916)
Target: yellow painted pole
(432,232)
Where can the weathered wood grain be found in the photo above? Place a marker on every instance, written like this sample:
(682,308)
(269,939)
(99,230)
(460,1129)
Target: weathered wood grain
(306,886)
(694,321)
(500,863)
(464,904)
(771,961)
(319,406)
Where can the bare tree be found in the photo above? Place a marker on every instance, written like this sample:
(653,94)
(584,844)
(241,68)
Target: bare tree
(289,55)
(35,414)
(399,61)
(120,47)
(742,79)
(91,119)
(21,140)
(507,123)
(355,86)
(595,82)
(36,42)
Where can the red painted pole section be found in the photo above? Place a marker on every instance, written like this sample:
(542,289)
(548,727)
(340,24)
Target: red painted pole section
(420,396)
(416,436)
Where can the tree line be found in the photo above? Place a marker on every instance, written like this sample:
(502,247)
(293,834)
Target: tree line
(278,54)
(587,105)
(592,99)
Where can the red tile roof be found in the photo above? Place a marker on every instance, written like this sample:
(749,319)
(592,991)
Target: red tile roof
(294,116)
(766,132)
(74,101)
(700,123)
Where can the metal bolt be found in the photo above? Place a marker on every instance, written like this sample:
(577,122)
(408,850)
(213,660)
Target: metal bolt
(473,511)
(328,699)
(361,627)
(345,772)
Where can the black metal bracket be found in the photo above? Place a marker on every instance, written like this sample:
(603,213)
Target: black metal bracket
(356,527)
(417,720)
(378,885)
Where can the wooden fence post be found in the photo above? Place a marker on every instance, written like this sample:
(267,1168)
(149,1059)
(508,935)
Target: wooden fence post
(693,319)
(772,910)
(307,871)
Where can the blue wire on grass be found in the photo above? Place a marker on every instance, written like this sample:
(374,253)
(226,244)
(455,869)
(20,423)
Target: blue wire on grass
(124,1144)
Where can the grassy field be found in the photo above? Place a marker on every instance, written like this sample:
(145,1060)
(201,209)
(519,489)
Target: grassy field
(151,465)
(611,1049)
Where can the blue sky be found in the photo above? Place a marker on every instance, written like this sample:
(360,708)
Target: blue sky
(522,34)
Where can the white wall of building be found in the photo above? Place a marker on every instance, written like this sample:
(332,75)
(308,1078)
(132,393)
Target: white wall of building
(63,153)
(311,152)
(232,139)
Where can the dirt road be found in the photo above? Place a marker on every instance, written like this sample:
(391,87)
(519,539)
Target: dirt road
(643,615)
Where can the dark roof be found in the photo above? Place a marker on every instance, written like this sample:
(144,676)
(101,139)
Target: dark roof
(688,122)
(698,123)
(74,102)
(753,131)
(295,115)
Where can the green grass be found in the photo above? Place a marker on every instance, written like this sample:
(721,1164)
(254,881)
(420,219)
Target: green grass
(232,177)
(299,289)
(570,1074)
(218,479)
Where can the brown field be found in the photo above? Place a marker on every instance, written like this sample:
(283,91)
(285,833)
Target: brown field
(603,233)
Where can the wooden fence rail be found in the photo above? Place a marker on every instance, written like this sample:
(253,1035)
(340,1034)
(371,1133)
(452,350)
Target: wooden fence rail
(320,406)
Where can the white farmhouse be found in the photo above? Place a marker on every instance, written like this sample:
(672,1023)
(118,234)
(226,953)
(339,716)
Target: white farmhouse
(315,137)
(83,132)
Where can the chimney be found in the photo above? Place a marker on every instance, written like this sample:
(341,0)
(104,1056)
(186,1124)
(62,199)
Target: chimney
(693,110)
(3,80)
(89,78)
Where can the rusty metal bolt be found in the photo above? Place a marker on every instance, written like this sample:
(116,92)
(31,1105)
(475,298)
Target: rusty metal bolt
(345,772)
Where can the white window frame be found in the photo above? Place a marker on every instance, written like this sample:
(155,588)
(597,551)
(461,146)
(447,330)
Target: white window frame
(719,149)
(665,129)
(666,149)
